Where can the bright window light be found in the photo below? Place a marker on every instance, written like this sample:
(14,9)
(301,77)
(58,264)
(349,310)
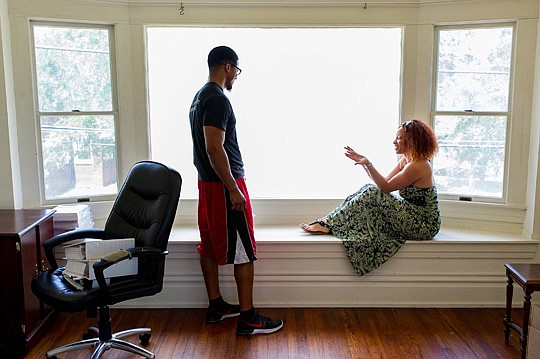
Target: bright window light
(302,96)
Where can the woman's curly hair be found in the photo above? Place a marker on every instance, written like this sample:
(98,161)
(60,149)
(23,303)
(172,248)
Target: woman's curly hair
(421,140)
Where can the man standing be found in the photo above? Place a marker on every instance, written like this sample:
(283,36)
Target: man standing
(225,216)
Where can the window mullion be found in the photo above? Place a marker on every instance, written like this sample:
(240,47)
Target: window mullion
(475,113)
(76,113)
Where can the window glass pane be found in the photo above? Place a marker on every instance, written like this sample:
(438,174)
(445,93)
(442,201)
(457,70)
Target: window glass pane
(471,155)
(73,69)
(79,156)
(473,69)
(302,96)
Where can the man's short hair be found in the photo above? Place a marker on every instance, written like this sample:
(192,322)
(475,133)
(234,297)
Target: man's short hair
(221,55)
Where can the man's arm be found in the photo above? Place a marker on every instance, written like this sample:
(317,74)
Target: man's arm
(214,138)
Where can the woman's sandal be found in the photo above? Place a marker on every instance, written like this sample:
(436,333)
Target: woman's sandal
(321,223)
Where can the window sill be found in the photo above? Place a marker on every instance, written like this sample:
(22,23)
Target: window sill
(293,234)
(279,219)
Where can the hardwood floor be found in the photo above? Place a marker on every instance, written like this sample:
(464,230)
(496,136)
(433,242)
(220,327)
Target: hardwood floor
(308,333)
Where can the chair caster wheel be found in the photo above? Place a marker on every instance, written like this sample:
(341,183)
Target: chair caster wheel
(144,338)
(91,333)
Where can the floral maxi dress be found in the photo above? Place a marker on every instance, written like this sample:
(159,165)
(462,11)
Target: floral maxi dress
(374,225)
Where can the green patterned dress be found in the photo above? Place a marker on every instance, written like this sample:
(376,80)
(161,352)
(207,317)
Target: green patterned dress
(374,225)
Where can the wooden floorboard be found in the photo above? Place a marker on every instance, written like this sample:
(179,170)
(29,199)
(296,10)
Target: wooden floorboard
(309,333)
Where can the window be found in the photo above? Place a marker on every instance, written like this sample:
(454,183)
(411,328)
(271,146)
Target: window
(471,113)
(302,96)
(76,111)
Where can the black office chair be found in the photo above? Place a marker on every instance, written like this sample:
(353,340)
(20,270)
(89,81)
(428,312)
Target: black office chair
(144,209)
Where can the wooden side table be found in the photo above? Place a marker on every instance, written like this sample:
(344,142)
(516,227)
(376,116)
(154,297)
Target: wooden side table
(528,277)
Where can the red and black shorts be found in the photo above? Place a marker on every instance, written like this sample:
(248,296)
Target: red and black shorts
(226,235)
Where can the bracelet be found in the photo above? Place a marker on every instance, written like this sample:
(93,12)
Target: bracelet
(368,165)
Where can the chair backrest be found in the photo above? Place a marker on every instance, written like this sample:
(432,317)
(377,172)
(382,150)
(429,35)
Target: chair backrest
(146,205)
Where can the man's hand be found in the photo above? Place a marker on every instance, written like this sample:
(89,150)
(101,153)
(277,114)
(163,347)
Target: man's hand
(238,200)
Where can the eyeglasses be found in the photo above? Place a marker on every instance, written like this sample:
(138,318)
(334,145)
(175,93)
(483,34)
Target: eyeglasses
(238,70)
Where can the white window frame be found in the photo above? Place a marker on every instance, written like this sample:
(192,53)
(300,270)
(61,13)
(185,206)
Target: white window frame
(38,114)
(508,114)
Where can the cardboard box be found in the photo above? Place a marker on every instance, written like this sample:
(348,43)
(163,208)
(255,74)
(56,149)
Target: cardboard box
(82,255)
(533,339)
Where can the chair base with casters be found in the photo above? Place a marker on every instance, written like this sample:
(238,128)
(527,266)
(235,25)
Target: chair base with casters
(106,340)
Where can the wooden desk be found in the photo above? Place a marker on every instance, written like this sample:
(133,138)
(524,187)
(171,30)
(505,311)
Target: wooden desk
(24,318)
(528,277)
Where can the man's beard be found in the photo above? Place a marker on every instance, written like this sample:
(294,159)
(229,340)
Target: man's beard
(229,85)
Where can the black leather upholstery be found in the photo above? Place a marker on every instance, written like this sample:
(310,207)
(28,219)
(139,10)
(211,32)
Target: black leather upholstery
(144,209)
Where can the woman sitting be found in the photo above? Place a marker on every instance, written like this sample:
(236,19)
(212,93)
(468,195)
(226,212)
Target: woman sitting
(374,223)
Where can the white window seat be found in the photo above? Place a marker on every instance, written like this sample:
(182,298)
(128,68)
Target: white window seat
(292,233)
(459,268)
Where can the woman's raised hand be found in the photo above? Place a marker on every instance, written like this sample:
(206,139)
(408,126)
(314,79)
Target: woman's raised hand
(356,157)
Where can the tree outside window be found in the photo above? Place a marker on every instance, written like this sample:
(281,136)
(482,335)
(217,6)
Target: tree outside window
(76,112)
(472,109)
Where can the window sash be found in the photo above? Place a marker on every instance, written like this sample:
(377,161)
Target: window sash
(108,160)
(435,113)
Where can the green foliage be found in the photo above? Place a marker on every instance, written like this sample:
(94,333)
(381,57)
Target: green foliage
(74,75)
(473,74)
(73,69)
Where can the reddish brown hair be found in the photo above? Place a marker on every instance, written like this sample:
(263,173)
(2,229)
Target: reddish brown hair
(421,140)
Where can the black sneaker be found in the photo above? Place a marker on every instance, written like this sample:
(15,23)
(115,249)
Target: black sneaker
(258,325)
(216,316)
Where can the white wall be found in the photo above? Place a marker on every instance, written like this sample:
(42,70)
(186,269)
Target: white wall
(9,175)
(417,17)
(532,220)
(464,271)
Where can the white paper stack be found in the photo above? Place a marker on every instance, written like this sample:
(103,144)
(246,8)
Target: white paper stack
(81,256)
(69,217)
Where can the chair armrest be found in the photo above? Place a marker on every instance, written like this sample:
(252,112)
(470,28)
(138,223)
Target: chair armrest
(62,238)
(118,256)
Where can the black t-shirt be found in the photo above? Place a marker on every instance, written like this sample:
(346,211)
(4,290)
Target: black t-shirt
(211,107)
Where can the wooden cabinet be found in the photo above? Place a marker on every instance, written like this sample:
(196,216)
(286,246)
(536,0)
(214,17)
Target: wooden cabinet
(24,318)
